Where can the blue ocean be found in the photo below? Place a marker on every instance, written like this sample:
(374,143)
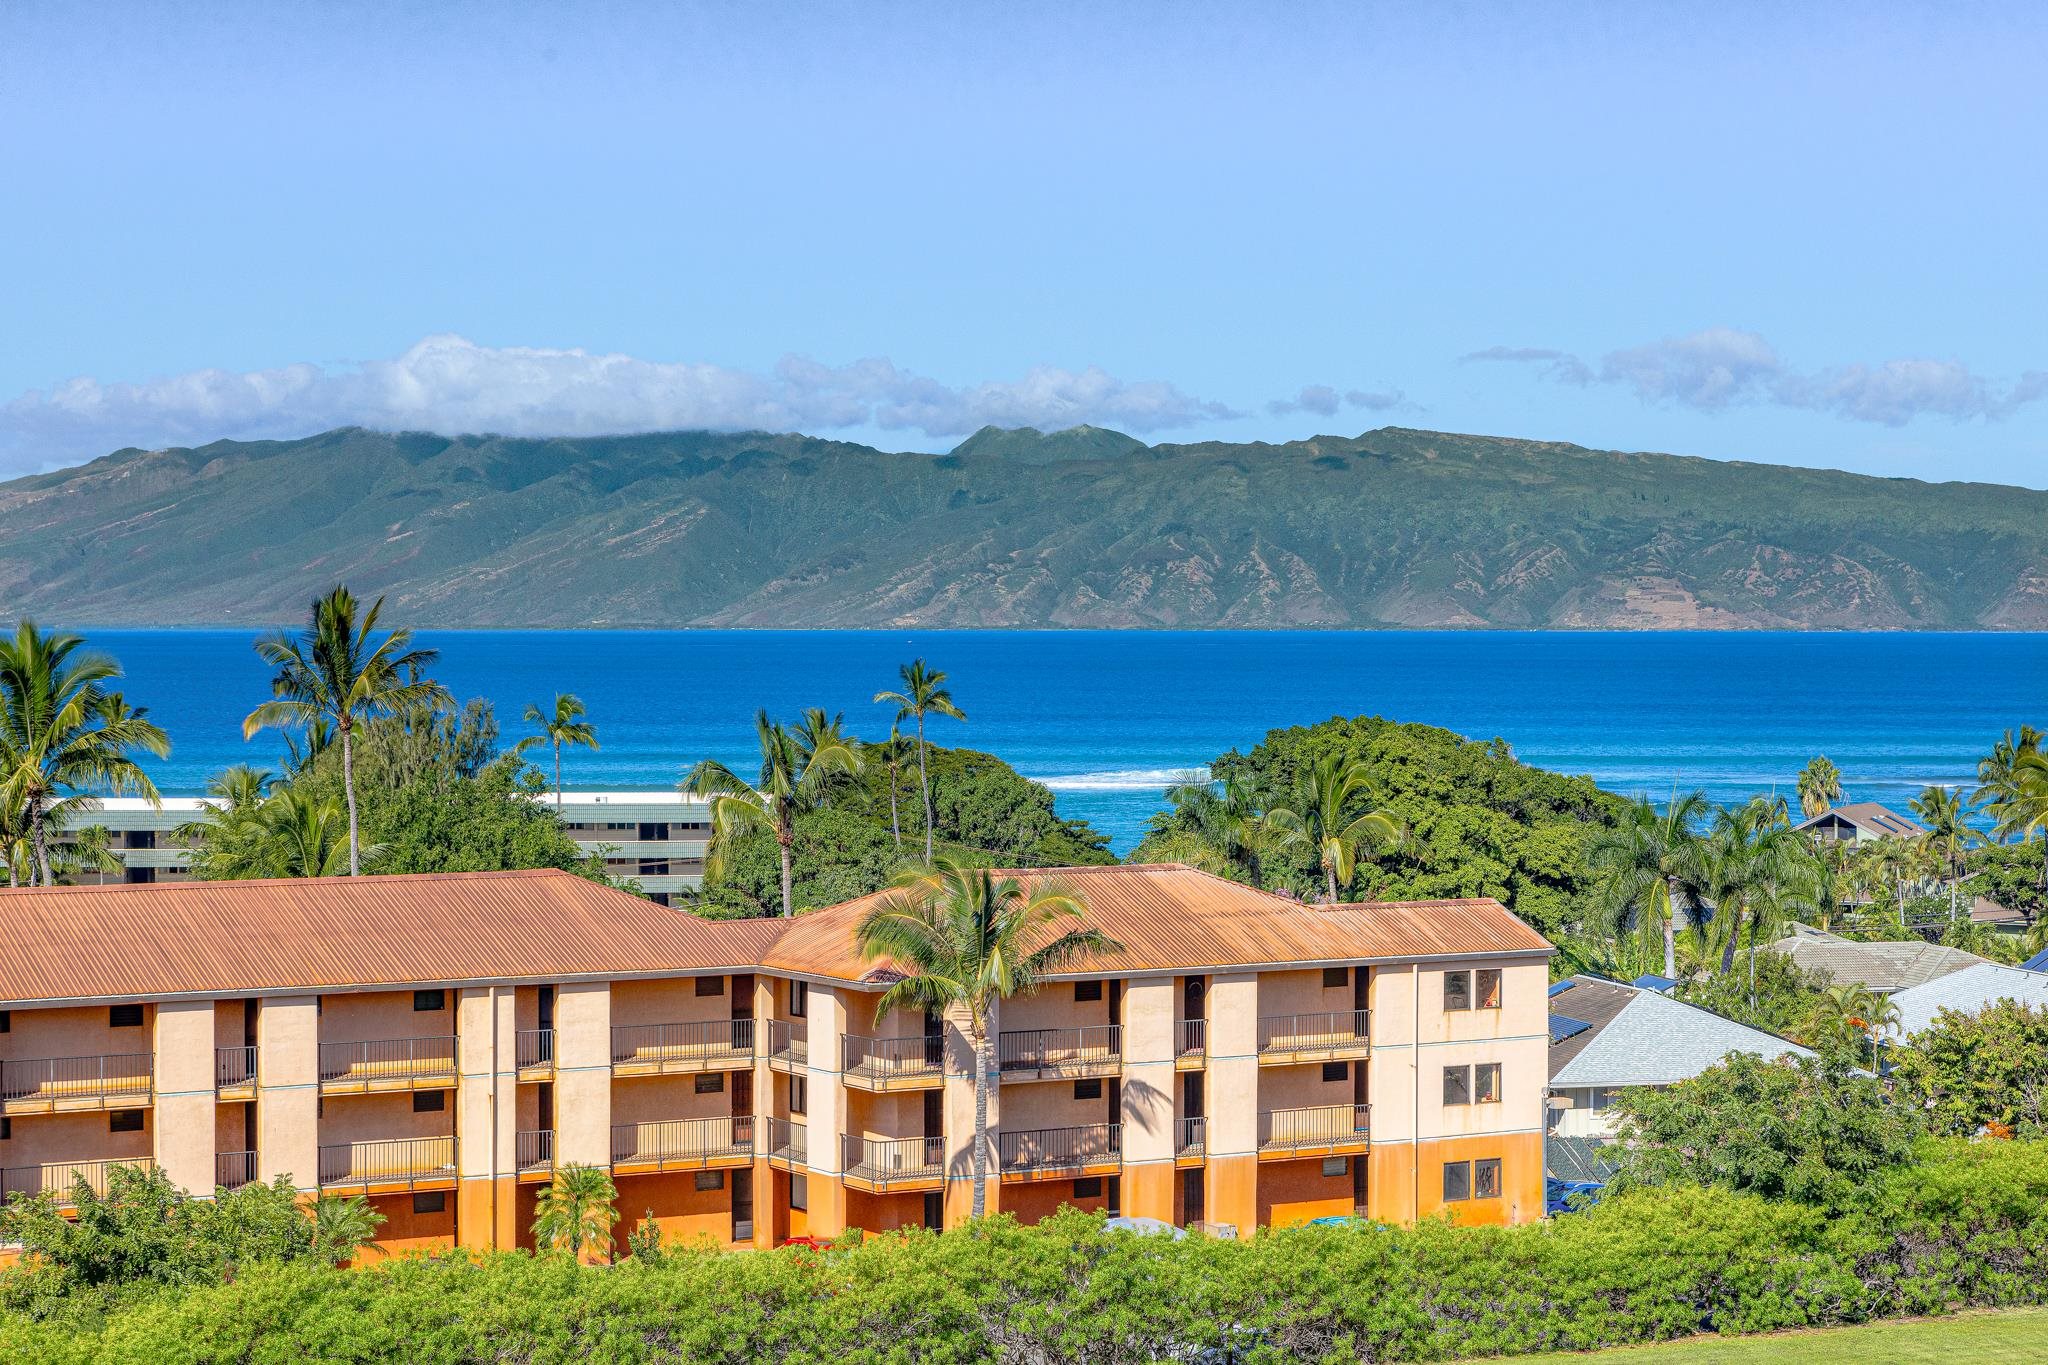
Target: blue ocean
(1106,719)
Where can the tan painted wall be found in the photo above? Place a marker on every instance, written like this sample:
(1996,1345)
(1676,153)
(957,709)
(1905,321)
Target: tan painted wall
(373,1016)
(80,1031)
(382,1117)
(184,1118)
(1300,993)
(1051,1104)
(1054,1007)
(673,1000)
(1301,1087)
(1523,1064)
(1150,1087)
(45,1138)
(654,1099)
(583,1075)
(287,1060)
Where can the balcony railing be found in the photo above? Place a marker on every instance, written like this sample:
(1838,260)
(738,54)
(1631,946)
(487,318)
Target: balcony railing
(234,1068)
(1333,1033)
(884,1061)
(388,1064)
(232,1170)
(1096,1050)
(534,1149)
(109,1081)
(61,1178)
(682,1143)
(1061,1149)
(789,1142)
(1193,1041)
(881,1162)
(1190,1136)
(394,1161)
(533,1049)
(1332,1125)
(653,1049)
(789,1042)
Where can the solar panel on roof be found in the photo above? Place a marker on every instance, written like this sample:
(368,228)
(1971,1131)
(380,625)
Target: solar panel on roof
(2037,963)
(1560,988)
(1563,1026)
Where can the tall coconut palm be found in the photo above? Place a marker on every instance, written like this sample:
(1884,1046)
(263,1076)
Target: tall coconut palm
(2021,808)
(966,939)
(564,724)
(576,1211)
(924,694)
(307,837)
(64,734)
(1320,820)
(1995,776)
(1820,786)
(797,766)
(1755,870)
(1648,862)
(1222,814)
(335,672)
(891,753)
(1949,836)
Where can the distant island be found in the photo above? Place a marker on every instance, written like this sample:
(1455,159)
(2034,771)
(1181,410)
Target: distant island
(1013,528)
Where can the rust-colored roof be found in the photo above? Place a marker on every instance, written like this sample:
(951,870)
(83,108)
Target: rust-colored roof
(225,938)
(1174,918)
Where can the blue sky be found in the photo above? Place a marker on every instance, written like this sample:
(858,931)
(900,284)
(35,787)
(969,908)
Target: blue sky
(1792,234)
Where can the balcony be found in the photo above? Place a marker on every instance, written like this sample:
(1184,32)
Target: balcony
(1330,1130)
(914,1063)
(392,1164)
(533,1054)
(679,1049)
(1059,1054)
(789,1044)
(53,1085)
(389,1064)
(682,1144)
(60,1178)
(880,1165)
(789,1144)
(232,1170)
(234,1073)
(1191,1044)
(1190,1141)
(533,1153)
(1334,1035)
(1037,1153)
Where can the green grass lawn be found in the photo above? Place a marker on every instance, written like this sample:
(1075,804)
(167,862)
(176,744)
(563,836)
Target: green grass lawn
(1966,1339)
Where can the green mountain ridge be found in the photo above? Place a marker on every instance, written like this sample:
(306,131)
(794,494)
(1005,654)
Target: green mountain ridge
(1013,528)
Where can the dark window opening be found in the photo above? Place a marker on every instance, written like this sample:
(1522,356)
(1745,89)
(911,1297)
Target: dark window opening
(429,1101)
(1486,1179)
(1457,1085)
(426,1002)
(710,985)
(799,1192)
(124,1121)
(799,1095)
(1336,1071)
(432,1201)
(1486,1083)
(712,1083)
(1085,991)
(711,1180)
(1487,985)
(1457,1181)
(1334,1166)
(799,998)
(1457,991)
(1089,1089)
(124,1016)
(1088,1187)
(1336,978)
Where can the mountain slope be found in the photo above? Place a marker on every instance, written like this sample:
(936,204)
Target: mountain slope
(1079,528)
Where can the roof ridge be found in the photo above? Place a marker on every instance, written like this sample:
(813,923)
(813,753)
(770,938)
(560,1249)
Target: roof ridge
(243,883)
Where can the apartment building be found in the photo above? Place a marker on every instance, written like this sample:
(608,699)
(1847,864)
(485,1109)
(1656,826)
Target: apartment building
(657,839)
(441,1043)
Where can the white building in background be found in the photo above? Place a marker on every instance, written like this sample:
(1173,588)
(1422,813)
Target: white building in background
(655,838)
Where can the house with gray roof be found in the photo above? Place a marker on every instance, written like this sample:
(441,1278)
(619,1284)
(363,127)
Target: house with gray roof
(1968,991)
(1860,822)
(1882,967)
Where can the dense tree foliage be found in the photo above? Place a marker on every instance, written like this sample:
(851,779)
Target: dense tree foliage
(1982,1070)
(1766,990)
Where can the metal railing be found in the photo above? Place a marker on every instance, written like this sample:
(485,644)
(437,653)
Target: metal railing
(387,1060)
(1326,1125)
(1329,1031)
(233,1066)
(60,1178)
(682,1046)
(891,1059)
(114,1074)
(1193,1038)
(533,1149)
(533,1048)
(1078,1051)
(1190,1136)
(683,1142)
(232,1170)
(881,1160)
(391,1161)
(788,1141)
(789,1040)
(1048,1149)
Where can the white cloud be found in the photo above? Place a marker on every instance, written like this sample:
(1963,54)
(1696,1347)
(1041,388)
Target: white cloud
(452,385)
(1325,401)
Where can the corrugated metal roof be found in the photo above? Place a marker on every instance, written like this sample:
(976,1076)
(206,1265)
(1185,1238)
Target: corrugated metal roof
(224,938)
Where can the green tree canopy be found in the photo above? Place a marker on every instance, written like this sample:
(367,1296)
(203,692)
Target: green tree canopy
(1990,1066)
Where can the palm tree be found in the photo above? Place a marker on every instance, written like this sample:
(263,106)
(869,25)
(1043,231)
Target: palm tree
(575,1213)
(563,725)
(305,837)
(2021,809)
(332,672)
(1222,814)
(1995,769)
(1820,786)
(1319,820)
(797,766)
(63,734)
(1754,869)
(1948,835)
(891,752)
(924,693)
(342,1226)
(967,939)
(1649,861)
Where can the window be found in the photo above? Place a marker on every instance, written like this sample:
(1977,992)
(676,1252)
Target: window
(1089,1089)
(124,1016)
(799,1192)
(1334,1166)
(1486,1178)
(6,1021)
(711,1180)
(1487,982)
(6,1128)
(1599,1097)
(711,1083)
(1457,1085)
(1486,1083)
(799,1094)
(124,1121)
(1088,1187)
(1457,1181)
(1457,991)
(1085,991)
(935,1210)
(425,1002)
(435,1201)
(429,1101)
(1336,1071)
(710,985)
(1336,978)
(799,998)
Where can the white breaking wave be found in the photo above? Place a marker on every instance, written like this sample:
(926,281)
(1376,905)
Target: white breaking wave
(1123,779)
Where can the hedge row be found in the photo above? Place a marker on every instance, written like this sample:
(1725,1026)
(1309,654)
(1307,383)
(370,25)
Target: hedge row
(1965,1225)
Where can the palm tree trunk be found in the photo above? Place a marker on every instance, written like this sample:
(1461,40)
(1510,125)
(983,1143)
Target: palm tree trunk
(981,1163)
(558,778)
(348,787)
(924,782)
(40,842)
(1670,930)
(785,840)
(895,827)
(1329,884)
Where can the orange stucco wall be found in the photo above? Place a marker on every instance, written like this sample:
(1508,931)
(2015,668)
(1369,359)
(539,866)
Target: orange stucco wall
(1293,1192)
(682,1211)
(1041,1199)
(404,1231)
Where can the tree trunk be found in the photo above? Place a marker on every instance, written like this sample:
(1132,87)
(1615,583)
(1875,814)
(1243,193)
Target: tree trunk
(924,782)
(981,1162)
(1670,930)
(895,827)
(558,778)
(785,839)
(348,786)
(1329,884)
(39,840)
